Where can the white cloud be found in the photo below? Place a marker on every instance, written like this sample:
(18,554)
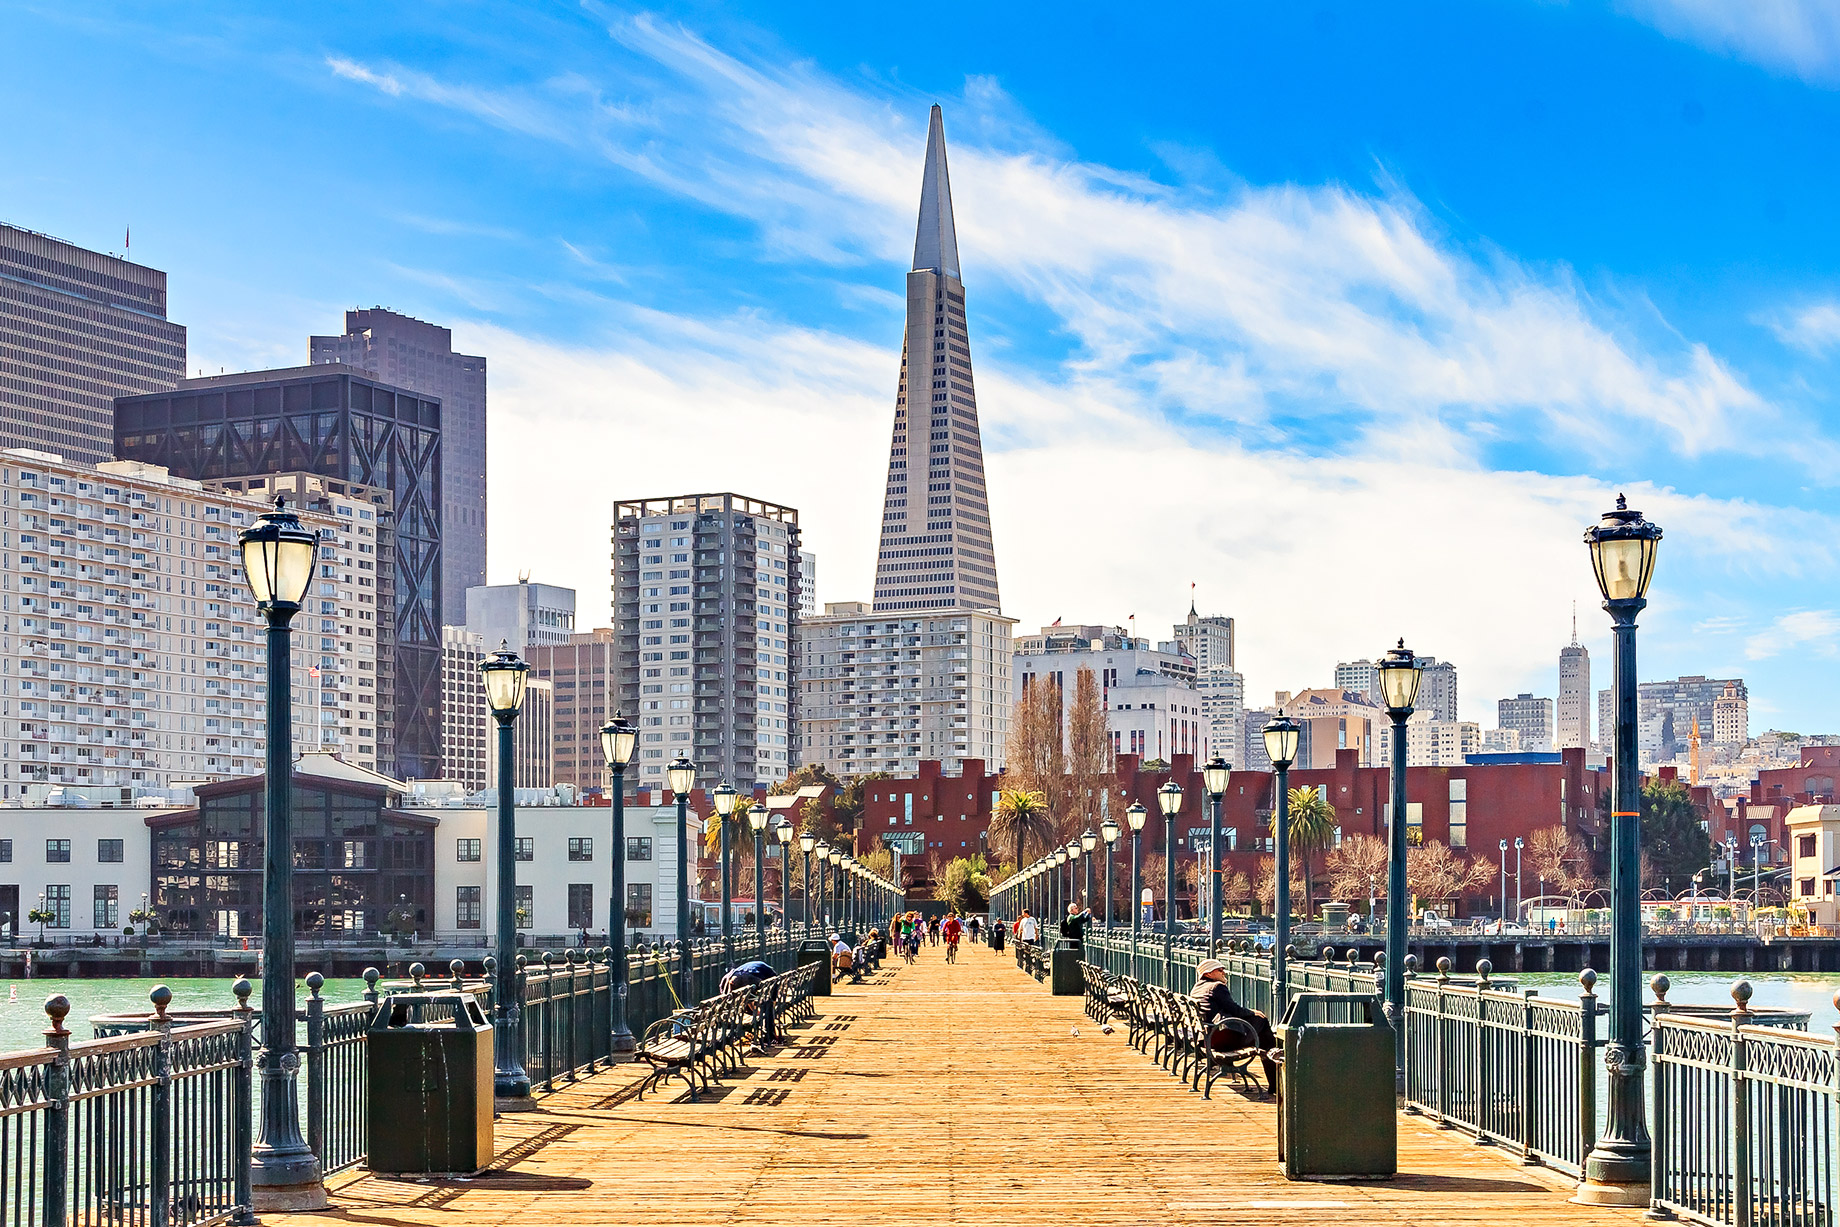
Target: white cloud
(1814,328)
(1798,37)
(1809,630)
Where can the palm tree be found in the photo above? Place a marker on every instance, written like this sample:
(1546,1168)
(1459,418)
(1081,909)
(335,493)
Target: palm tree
(1312,831)
(1021,813)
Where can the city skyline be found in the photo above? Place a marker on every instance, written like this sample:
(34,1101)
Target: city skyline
(1093,395)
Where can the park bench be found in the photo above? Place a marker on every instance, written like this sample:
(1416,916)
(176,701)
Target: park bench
(1167,1027)
(705,1042)
(1105,998)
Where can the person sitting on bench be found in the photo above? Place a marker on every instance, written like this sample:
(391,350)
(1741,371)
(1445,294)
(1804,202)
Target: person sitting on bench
(1217,1004)
(745,976)
(843,959)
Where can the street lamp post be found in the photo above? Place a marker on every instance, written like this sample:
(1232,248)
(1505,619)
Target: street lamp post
(824,894)
(807,842)
(1075,854)
(681,775)
(1281,738)
(1089,843)
(1617,1171)
(504,675)
(285,1174)
(1060,883)
(618,738)
(1399,678)
(1214,776)
(1504,881)
(1108,830)
(757,818)
(725,798)
(1134,817)
(782,831)
(1169,797)
(1519,843)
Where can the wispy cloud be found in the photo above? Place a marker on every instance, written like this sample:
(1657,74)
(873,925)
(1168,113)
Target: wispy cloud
(1814,328)
(1797,37)
(1816,631)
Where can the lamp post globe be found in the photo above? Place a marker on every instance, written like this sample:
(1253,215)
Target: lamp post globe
(1281,737)
(680,774)
(1169,800)
(278,553)
(1623,546)
(618,739)
(1400,675)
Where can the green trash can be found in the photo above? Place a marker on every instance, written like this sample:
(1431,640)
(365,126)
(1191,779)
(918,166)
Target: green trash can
(1337,1118)
(429,1057)
(817,950)
(1065,979)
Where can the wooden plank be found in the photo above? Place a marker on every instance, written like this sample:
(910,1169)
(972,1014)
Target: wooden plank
(951,1094)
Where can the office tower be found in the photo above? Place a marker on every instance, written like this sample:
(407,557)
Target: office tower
(1437,686)
(1361,675)
(1252,740)
(706,593)
(1153,707)
(808,584)
(582,670)
(339,423)
(408,353)
(1431,742)
(1530,717)
(141,660)
(77,329)
(936,550)
(883,691)
(1731,716)
(522,615)
(1574,709)
(466,721)
(533,740)
(1606,719)
(1209,640)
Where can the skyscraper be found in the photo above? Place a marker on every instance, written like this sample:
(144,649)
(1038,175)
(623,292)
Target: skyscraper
(1437,687)
(1530,717)
(409,353)
(1574,693)
(936,550)
(77,329)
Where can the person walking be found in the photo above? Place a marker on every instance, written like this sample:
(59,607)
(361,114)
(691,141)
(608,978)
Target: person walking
(1028,929)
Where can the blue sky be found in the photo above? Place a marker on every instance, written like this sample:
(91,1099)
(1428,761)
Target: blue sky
(1352,315)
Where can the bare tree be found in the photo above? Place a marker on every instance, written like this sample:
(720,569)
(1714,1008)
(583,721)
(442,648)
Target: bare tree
(1560,860)
(1434,873)
(1357,867)
(1035,758)
(1090,771)
(1268,883)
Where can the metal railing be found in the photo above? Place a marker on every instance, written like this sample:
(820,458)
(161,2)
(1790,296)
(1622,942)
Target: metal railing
(143,1129)
(1744,1121)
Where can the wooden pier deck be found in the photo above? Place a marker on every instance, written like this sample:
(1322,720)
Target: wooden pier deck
(947,1094)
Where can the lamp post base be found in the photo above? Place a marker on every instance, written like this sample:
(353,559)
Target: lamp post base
(1604,1193)
(308,1194)
(623,1043)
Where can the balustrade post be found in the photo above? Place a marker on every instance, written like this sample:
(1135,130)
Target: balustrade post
(372,975)
(316,1066)
(456,970)
(57,1114)
(570,957)
(1744,1205)
(1440,1028)
(1485,1065)
(1587,1061)
(243,1147)
(549,1021)
(159,1182)
(1530,1089)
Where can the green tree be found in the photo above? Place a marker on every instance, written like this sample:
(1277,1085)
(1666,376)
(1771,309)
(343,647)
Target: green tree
(848,805)
(809,774)
(1312,822)
(1672,837)
(1021,817)
(964,886)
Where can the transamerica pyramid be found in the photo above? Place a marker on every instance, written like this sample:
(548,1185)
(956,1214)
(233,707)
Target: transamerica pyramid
(936,551)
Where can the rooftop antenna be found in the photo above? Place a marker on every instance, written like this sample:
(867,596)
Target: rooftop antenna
(523,577)
(1574,623)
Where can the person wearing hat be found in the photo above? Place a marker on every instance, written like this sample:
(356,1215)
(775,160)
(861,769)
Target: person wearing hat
(843,960)
(1216,1001)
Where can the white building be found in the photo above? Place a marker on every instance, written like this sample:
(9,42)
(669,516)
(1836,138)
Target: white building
(466,721)
(808,584)
(880,692)
(521,614)
(135,654)
(89,867)
(1574,708)
(1500,741)
(1430,742)
(1152,705)
(1731,716)
(1531,717)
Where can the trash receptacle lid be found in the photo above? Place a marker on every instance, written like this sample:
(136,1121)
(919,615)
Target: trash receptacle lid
(1303,1005)
(412,1012)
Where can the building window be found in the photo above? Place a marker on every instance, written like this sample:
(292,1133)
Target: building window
(525,850)
(639,904)
(581,905)
(108,906)
(466,850)
(57,902)
(109,851)
(466,904)
(638,848)
(1807,888)
(57,851)
(526,906)
(581,848)
(1805,845)
(356,854)
(6,850)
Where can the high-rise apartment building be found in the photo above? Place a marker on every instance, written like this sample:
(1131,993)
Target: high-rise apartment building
(409,353)
(77,329)
(533,740)
(1437,685)
(522,615)
(1361,675)
(1252,739)
(466,721)
(706,593)
(583,672)
(936,550)
(882,691)
(808,584)
(1667,710)
(1332,720)
(137,658)
(1431,742)
(1209,640)
(1574,708)
(1606,719)
(345,629)
(1152,705)
(1223,691)
(1731,717)
(1530,717)
(337,422)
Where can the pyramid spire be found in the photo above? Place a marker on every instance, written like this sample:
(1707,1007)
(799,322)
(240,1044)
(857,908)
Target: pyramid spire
(936,241)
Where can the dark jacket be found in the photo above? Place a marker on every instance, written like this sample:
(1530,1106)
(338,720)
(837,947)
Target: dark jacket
(1217,1003)
(747,974)
(1073,927)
